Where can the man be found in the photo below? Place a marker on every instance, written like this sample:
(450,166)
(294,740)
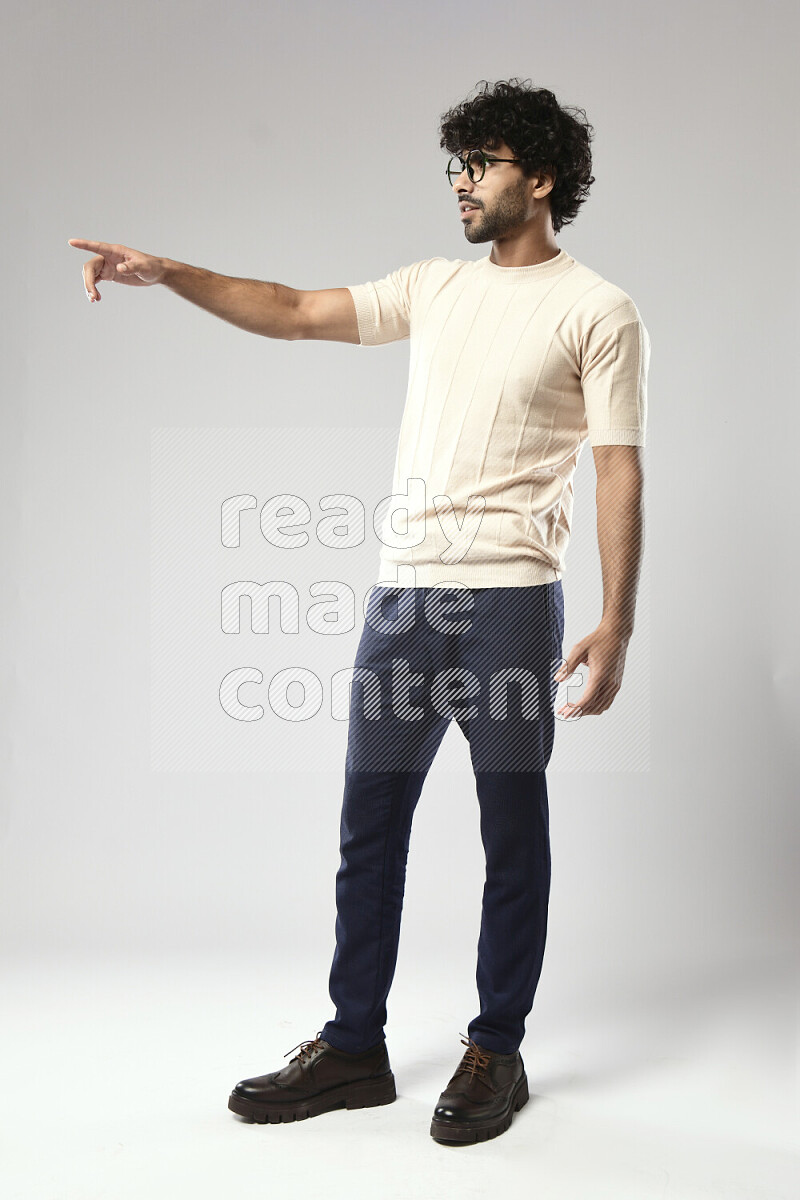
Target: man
(517,358)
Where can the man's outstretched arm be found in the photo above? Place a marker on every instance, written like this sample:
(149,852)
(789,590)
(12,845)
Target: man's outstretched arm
(269,309)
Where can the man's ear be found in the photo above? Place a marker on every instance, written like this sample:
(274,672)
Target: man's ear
(546,180)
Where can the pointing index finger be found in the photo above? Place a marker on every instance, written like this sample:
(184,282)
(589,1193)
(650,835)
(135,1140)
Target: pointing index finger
(83,244)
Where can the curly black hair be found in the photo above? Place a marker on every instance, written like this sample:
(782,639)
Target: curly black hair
(538,129)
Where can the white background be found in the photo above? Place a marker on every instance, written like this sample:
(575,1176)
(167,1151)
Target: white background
(166,933)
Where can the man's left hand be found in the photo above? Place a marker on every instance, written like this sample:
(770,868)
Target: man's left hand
(603,651)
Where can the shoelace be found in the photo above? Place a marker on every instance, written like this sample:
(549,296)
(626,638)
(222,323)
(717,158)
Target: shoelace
(475,1061)
(307,1048)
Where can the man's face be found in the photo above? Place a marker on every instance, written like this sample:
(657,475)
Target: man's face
(500,203)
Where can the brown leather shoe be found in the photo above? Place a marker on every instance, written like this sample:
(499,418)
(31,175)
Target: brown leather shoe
(481,1098)
(317,1080)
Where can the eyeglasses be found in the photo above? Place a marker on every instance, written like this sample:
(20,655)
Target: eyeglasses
(474,164)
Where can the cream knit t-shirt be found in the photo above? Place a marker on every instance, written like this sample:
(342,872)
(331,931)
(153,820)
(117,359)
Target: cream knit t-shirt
(511,370)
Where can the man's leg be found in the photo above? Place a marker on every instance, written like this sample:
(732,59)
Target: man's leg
(515,833)
(377,812)
(392,740)
(514,648)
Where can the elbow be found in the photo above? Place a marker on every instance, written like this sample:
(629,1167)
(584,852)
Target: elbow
(620,467)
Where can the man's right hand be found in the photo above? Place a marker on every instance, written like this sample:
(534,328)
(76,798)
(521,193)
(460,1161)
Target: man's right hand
(119,263)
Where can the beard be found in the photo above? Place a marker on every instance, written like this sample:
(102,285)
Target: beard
(507,213)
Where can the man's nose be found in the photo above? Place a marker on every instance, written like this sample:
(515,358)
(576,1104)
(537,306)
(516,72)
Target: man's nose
(463,183)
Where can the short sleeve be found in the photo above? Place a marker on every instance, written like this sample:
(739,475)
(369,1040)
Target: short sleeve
(615,361)
(383,307)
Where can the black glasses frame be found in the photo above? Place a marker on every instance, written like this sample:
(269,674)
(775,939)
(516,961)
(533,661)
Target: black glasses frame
(465,164)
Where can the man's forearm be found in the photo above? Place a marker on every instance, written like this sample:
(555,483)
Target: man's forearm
(620,538)
(256,306)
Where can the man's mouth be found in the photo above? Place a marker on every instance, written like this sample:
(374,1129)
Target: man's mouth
(467,208)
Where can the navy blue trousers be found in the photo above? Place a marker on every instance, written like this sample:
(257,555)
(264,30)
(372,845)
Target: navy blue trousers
(484,657)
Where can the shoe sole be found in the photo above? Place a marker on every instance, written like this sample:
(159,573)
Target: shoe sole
(480,1131)
(362,1093)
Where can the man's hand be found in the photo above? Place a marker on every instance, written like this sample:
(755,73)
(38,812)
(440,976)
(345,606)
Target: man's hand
(604,652)
(119,263)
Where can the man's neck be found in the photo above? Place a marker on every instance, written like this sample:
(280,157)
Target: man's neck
(524,251)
